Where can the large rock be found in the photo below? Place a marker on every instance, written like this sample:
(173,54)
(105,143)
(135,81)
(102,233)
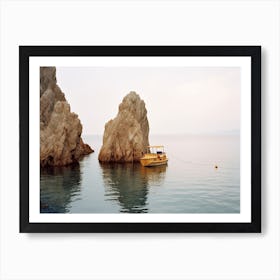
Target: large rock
(60,129)
(126,137)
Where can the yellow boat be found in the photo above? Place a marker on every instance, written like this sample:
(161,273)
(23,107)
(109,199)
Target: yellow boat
(154,157)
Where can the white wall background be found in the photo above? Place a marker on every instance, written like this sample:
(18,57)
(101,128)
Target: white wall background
(139,256)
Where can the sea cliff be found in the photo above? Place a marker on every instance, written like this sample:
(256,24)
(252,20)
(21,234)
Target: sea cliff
(126,137)
(60,129)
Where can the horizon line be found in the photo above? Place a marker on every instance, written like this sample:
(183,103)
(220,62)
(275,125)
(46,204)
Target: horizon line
(187,133)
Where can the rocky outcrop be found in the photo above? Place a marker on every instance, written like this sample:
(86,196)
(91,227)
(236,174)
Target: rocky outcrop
(126,137)
(60,129)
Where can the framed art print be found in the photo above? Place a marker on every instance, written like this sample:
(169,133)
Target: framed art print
(140,138)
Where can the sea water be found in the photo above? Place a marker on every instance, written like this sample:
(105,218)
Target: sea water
(190,183)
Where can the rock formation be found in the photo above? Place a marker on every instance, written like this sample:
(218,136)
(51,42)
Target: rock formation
(126,137)
(60,129)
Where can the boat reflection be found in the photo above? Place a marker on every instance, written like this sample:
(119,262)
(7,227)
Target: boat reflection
(59,186)
(128,184)
(154,175)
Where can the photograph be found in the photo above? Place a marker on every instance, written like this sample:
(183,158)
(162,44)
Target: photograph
(139,139)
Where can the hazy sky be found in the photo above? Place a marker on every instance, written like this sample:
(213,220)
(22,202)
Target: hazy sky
(178,99)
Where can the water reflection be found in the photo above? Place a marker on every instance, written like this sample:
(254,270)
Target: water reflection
(64,182)
(154,175)
(128,184)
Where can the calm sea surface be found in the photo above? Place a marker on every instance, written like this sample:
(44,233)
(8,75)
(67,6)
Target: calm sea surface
(188,184)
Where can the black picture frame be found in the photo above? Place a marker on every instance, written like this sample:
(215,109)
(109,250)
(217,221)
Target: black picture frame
(254,52)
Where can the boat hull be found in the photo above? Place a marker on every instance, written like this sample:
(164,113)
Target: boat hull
(156,163)
(153,160)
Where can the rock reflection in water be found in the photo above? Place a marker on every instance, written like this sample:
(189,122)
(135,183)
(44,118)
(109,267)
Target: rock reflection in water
(64,182)
(129,183)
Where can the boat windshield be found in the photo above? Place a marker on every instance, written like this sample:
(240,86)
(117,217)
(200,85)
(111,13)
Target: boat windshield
(155,149)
